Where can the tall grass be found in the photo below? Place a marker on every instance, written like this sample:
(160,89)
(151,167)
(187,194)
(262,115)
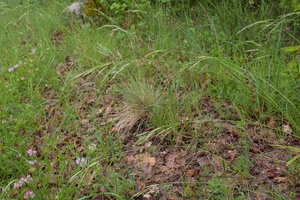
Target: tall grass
(161,69)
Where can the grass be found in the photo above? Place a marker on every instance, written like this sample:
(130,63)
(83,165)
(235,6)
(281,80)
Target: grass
(190,104)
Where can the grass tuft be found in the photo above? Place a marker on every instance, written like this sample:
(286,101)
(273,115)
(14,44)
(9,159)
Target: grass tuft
(140,103)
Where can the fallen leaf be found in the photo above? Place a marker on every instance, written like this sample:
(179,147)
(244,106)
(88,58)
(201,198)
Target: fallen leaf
(150,128)
(272,172)
(47,107)
(148,144)
(282,179)
(232,154)
(148,172)
(147,160)
(147,196)
(173,197)
(141,186)
(191,172)
(256,112)
(287,129)
(171,160)
(108,111)
(234,133)
(131,159)
(217,162)
(271,123)
(68,59)
(85,121)
(287,29)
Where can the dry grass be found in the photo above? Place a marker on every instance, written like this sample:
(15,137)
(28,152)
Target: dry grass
(140,103)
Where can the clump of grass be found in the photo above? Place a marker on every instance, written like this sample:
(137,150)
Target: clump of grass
(141,102)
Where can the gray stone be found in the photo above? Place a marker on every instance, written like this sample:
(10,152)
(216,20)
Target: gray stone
(75,11)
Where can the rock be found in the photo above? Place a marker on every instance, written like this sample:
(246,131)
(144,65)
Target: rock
(75,11)
(82,10)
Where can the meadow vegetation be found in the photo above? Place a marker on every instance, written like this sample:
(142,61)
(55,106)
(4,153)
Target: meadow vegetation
(153,100)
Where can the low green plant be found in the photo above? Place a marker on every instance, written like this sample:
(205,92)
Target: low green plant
(293,5)
(293,65)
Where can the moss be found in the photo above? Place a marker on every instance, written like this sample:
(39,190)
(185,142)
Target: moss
(93,7)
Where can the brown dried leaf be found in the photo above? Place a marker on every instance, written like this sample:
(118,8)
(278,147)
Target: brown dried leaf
(47,107)
(85,121)
(108,111)
(147,160)
(148,144)
(232,154)
(256,112)
(217,162)
(234,133)
(271,123)
(191,172)
(148,172)
(68,59)
(173,197)
(272,171)
(282,179)
(141,186)
(131,160)
(147,197)
(204,161)
(171,160)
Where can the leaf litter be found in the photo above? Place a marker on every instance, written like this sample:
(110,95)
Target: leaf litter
(166,164)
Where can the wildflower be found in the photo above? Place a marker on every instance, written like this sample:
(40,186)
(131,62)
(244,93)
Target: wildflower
(29,194)
(32,162)
(47,49)
(30,151)
(11,69)
(18,184)
(22,180)
(26,180)
(81,161)
(22,78)
(15,66)
(33,51)
(31,60)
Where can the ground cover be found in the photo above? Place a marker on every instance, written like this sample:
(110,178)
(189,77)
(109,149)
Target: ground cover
(199,102)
